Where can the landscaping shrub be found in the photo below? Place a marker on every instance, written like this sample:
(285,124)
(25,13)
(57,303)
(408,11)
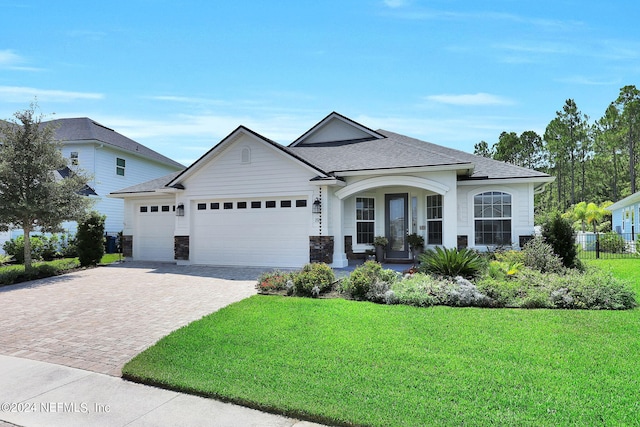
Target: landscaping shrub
(274,281)
(50,247)
(540,256)
(5,259)
(451,262)
(68,248)
(465,294)
(423,290)
(612,243)
(313,279)
(559,233)
(90,239)
(510,257)
(369,281)
(594,289)
(16,273)
(530,288)
(420,290)
(15,248)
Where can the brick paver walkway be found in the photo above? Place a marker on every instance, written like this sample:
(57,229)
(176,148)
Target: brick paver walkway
(100,318)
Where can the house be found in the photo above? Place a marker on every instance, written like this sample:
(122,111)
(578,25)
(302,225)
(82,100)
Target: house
(112,160)
(252,201)
(625,216)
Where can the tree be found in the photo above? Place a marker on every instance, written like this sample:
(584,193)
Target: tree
(595,213)
(32,195)
(482,149)
(629,101)
(608,148)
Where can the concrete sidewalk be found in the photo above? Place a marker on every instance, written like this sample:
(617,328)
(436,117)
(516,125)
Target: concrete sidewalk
(34,393)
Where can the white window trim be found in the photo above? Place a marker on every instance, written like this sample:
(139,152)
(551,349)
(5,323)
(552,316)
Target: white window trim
(427,220)
(363,246)
(472,215)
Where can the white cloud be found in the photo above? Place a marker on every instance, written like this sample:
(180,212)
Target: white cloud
(27,94)
(395,3)
(470,99)
(9,58)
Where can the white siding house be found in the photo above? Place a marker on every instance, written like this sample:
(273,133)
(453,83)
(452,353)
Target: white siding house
(112,160)
(251,201)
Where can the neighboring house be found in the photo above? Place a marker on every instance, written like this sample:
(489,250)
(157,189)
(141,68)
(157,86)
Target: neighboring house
(625,216)
(252,201)
(112,160)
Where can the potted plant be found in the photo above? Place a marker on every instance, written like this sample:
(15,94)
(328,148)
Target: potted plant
(369,254)
(416,242)
(380,242)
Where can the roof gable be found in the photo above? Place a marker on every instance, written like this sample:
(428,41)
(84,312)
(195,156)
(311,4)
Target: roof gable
(336,128)
(229,140)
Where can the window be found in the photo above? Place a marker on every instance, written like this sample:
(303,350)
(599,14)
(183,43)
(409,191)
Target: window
(242,205)
(143,209)
(227,205)
(154,209)
(285,203)
(202,206)
(74,158)
(215,205)
(365,220)
(434,220)
(120,165)
(165,208)
(256,205)
(492,214)
(270,204)
(301,203)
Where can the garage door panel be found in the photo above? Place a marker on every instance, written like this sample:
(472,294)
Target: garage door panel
(276,237)
(154,240)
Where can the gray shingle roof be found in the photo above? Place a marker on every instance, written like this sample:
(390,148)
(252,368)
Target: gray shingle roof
(85,129)
(150,186)
(399,151)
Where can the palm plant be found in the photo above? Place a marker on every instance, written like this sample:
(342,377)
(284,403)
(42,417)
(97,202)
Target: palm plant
(451,262)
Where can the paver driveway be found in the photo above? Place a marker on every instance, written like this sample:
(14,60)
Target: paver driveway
(100,318)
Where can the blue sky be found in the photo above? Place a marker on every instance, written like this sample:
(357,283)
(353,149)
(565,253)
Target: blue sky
(179,76)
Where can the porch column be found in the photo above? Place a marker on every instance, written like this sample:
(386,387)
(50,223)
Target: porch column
(450,219)
(336,215)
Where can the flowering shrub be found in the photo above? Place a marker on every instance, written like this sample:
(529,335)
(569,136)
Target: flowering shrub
(273,281)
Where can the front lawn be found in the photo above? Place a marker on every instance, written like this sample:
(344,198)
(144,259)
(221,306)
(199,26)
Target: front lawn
(358,363)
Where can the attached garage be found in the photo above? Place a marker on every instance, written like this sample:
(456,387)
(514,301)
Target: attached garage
(155,223)
(266,231)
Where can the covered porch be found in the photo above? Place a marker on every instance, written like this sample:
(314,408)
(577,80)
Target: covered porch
(393,207)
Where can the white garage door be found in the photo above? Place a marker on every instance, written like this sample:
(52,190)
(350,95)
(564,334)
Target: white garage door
(270,232)
(154,241)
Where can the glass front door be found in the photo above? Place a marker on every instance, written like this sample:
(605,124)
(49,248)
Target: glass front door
(397,225)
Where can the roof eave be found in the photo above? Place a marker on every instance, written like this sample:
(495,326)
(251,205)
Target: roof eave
(408,169)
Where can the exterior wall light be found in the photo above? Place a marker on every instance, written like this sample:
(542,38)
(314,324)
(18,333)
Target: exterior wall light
(317,206)
(180,210)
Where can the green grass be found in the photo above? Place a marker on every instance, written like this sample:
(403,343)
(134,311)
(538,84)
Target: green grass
(627,269)
(110,258)
(356,363)
(11,274)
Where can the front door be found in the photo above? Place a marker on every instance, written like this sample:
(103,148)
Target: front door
(397,225)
